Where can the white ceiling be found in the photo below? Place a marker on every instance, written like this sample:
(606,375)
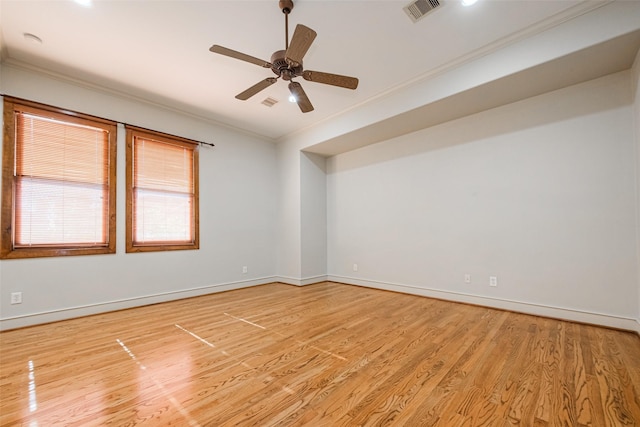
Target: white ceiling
(159,50)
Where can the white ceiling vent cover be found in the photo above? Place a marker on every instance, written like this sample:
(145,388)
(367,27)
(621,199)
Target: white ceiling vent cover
(269,102)
(418,9)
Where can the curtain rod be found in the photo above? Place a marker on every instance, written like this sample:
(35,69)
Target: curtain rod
(168,134)
(105,118)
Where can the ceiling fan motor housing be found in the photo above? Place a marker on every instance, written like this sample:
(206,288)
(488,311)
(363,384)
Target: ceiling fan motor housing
(281,67)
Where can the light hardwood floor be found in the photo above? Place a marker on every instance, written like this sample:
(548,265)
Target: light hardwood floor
(321,355)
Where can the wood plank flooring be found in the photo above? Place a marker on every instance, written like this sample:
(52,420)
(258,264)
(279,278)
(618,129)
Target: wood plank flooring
(320,355)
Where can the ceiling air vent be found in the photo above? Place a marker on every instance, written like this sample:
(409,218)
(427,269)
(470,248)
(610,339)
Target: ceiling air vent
(419,8)
(270,102)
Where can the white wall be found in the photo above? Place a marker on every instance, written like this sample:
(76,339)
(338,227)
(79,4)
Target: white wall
(635,80)
(540,193)
(313,213)
(238,180)
(302,220)
(289,222)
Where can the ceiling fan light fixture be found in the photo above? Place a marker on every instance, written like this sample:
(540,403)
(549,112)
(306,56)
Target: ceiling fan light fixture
(299,94)
(292,98)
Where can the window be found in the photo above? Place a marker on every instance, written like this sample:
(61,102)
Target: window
(58,182)
(162,192)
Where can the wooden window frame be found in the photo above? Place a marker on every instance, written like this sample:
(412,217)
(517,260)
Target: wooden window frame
(131,246)
(7,218)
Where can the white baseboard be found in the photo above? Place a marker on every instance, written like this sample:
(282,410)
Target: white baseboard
(573,315)
(87,310)
(517,306)
(300,281)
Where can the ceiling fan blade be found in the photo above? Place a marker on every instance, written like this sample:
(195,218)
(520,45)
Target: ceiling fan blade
(330,79)
(243,96)
(301,97)
(238,55)
(300,44)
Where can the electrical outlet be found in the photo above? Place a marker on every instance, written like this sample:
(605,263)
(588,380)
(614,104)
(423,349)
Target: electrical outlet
(244,269)
(493,281)
(16,297)
(355,267)
(467,278)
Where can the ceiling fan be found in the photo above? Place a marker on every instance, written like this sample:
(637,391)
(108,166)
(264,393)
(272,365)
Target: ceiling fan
(287,64)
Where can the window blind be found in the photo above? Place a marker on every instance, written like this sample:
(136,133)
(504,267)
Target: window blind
(61,183)
(163,192)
